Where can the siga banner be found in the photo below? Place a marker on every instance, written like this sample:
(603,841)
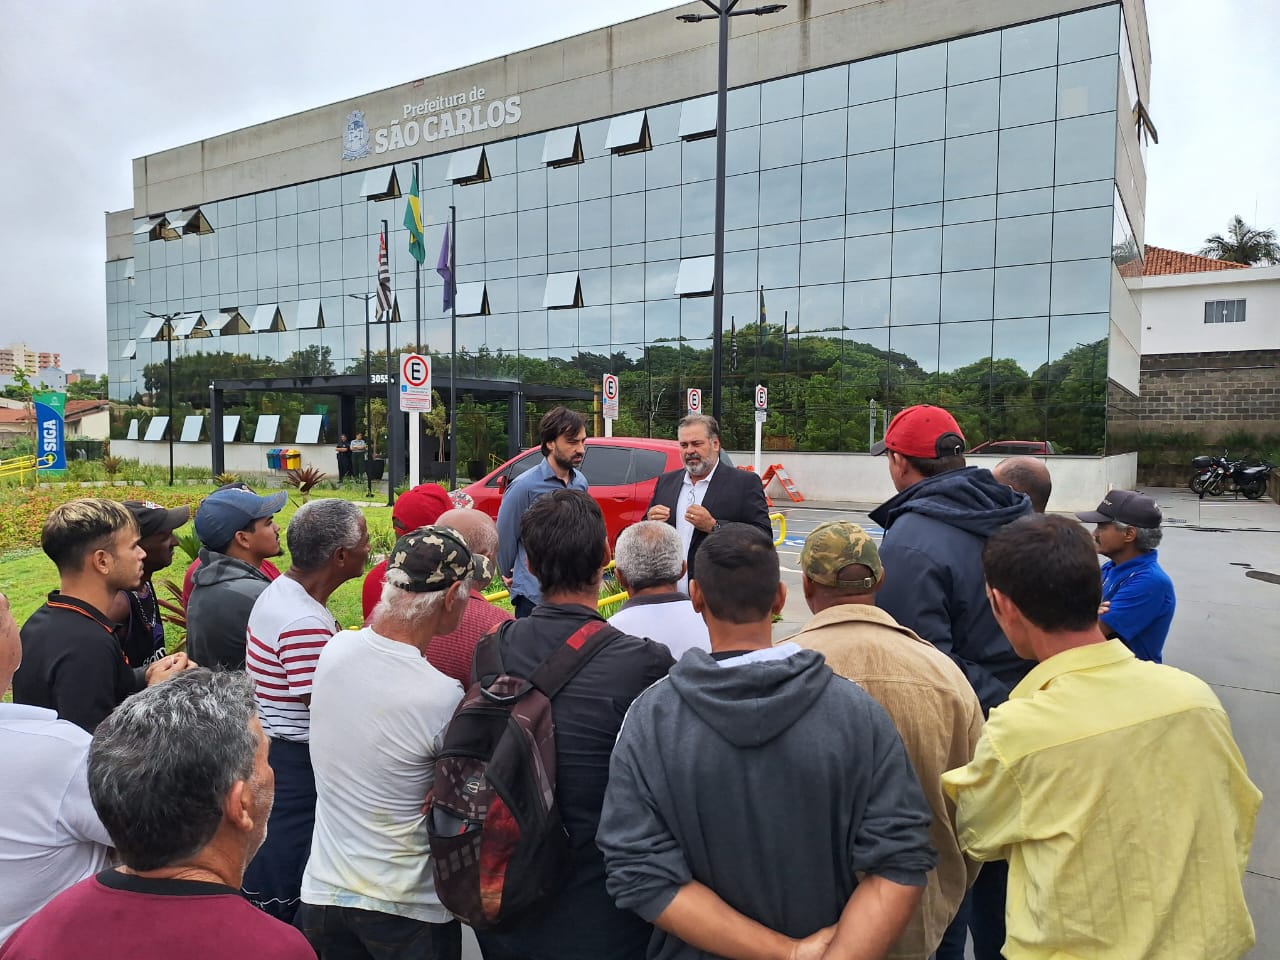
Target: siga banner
(50,409)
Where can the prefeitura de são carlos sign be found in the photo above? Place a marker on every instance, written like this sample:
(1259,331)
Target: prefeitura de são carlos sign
(437,118)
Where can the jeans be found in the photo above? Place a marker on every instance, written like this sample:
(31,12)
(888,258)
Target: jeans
(348,933)
(273,881)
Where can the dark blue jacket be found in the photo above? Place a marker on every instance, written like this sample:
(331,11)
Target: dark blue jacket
(932,554)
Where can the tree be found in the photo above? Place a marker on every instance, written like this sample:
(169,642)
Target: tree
(1243,244)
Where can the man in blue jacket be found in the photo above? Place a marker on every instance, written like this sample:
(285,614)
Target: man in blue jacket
(934,532)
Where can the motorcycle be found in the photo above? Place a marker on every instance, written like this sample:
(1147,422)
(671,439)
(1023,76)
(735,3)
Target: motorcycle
(1218,475)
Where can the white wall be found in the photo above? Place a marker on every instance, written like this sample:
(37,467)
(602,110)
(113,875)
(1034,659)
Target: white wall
(1079,483)
(1173,311)
(241,458)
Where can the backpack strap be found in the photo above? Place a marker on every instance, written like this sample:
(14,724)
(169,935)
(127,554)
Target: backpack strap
(486,665)
(571,656)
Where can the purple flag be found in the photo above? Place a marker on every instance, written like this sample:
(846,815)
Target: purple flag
(445,268)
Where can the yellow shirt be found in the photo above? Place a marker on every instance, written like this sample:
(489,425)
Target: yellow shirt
(1117,794)
(939,719)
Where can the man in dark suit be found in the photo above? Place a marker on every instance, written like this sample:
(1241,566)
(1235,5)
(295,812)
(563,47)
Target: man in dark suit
(702,496)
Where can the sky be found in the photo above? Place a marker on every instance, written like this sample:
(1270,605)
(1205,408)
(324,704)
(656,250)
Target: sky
(85,87)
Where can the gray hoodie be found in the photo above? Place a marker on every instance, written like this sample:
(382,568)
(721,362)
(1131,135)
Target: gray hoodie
(222,595)
(767,778)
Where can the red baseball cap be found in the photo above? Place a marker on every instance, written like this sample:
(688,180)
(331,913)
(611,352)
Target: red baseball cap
(922,431)
(420,507)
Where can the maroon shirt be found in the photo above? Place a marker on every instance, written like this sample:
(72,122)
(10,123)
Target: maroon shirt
(118,916)
(452,653)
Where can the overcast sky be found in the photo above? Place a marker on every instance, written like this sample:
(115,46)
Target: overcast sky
(87,86)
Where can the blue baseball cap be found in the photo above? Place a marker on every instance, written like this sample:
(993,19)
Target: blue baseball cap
(228,510)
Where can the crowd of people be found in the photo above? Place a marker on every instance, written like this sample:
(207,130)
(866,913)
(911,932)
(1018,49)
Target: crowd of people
(972,740)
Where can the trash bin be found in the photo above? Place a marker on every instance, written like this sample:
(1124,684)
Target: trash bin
(273,458)
(373,468)
(292,459)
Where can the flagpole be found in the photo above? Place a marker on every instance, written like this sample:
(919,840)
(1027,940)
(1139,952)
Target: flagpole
(453,347)
(417,281)
(393,451)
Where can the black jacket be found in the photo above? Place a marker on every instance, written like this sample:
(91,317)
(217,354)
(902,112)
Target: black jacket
(733,496)
(934,532)
(581,922)
(223,591)
(72,662)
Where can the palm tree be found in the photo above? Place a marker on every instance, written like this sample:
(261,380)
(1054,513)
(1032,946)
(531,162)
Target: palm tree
(1243,244)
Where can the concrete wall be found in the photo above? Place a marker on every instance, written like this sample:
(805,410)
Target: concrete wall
(1173,311)
(640,63)
(241,458)
(1079,483)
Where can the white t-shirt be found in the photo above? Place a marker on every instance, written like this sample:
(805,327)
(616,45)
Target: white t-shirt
(378,717)
(50,836)
(286,632)
(666,618)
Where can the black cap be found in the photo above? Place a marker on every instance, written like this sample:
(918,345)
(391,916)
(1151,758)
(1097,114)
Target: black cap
(1128,507)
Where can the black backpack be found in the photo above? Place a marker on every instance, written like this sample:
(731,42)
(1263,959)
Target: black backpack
(498,846)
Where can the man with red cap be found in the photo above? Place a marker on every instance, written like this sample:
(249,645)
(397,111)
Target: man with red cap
(934,532)
(418,507)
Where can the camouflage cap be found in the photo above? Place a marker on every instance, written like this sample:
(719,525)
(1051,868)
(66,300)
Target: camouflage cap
(434,558)
(834,545)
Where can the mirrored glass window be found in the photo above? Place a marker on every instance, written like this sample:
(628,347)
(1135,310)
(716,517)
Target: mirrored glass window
(1091,33)
(871,126)
(967,295)
(873,79)
(973,108)
(1024,240)
(741,201)
(697,209)
(822,262)
(1080,234)
(781,98)
(964,349)
(780,195)
(822,188)
(915,300)
(862,224)
(1087,87)
(1022,291)
(1081,286)
(594,224)
(661,320)
(971,165)
(740,271)
(531,235)
(562,228)
(1026,157)
(917,251)
(1086,148)
(628,219)
(869,182)
(866,304)
(697,160)
(779,267)
(924,68)
(662,169)
(973,58)
(662,213)
(824,135)
(969,210)
(917,174)
(780,143)
(919,346)
(627,172)
(743,107)
(1025,341)
(1029,46)
(1025,202)
(921,215)
(826,89)
(531,189)
(1076,195)
(921,117)
(1085,339)
(822,228)
(1029,98)
(967,246)
(868,258)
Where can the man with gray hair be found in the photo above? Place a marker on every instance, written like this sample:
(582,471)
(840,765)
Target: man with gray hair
(378,716)
(288,627)
(1137,595)
(650,562)
(179,776)
(699,499)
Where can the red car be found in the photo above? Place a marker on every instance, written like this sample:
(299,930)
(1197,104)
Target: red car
(621,472)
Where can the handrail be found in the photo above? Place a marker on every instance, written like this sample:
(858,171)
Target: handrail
(20,465)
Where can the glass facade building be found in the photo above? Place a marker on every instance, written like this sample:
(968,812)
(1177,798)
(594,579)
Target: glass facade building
(940,224)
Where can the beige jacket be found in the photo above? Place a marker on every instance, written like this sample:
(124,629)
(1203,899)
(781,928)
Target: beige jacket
(940,720)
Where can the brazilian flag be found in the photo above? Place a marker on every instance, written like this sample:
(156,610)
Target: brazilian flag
(413,221)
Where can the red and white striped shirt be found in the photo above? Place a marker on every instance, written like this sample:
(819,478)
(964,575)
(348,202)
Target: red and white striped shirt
(286,632)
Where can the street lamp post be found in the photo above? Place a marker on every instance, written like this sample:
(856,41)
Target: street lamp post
(368,382)
(166,328)
(722,12)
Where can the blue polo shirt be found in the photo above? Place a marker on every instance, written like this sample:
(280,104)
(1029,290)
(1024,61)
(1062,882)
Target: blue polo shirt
(1142,603)
(525,489)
